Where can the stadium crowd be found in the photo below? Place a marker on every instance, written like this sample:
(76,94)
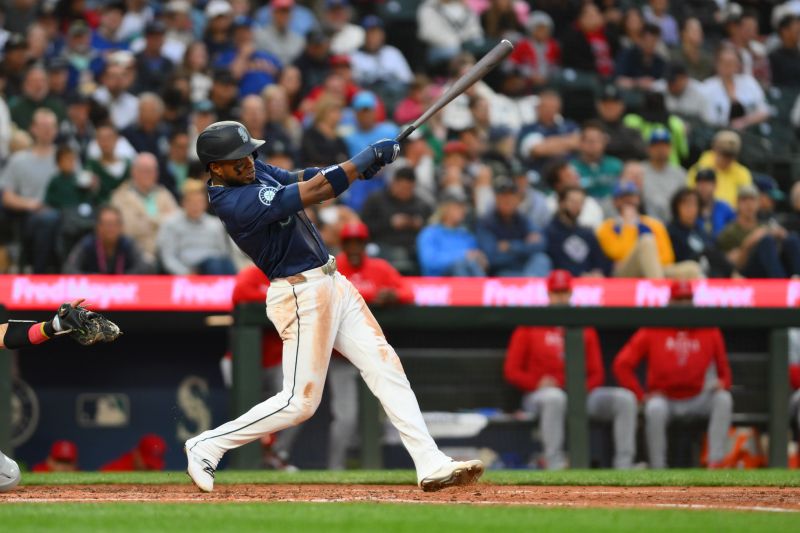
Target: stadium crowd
(620,138)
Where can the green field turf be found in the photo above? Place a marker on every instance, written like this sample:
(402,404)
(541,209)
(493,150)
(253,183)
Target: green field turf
(380,518)
(630,478)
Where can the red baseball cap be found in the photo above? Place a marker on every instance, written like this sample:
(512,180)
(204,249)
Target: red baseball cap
(152,449)
(681,290)
(282,4)
(559,281)
(455,147)
(354,230)
(339,60)
(64,451)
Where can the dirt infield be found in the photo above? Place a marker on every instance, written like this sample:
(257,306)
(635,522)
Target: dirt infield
(734,498)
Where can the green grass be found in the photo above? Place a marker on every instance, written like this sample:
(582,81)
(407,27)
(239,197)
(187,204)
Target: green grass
(634,478)
(383,518)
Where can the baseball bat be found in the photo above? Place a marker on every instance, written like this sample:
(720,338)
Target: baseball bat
(476,72)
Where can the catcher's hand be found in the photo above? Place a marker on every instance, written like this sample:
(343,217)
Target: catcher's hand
(86,327)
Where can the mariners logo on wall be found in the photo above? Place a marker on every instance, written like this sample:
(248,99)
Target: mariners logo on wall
(266,194)
(243,134)
(24,412)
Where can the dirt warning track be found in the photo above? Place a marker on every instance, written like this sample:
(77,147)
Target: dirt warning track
(774,499)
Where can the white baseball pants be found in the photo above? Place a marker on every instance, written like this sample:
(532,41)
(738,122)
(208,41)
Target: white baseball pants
(9,473)
(315,312)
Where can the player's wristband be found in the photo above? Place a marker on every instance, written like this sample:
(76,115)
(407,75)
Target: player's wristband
(23,333)
(364,159)
(337,177)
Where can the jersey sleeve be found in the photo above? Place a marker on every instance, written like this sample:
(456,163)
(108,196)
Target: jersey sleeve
(628,359)
(283,176)
(261,205)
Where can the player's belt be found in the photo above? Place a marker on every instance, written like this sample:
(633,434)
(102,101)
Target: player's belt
(328,269)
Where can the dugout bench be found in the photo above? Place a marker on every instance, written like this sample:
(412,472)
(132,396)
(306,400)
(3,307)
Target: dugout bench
(763,404)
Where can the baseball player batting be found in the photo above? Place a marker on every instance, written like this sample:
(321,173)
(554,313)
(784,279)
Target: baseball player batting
(81,324)
(314,308)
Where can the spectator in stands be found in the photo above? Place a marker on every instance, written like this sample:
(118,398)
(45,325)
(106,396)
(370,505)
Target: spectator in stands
(15,63)
(224,95)
(253,115)
(219,19)
(416,100)
(691,52)
(180,30)
(123,107)
(277,37)
(58,78)
(657,12)
(513,246)
(768,195)
(446,247)
(587,46)
(729,173)
(446,26)
(735,99)
(757,250)
(77,129)
(395,216)
(147,456)
(176,168)
(24,183)
(561,175)
(253,68)
(149,133)
(500,20)
(785,61)
(638,67)
(35,95)
(653,115)
(153,69)
(743,37)
(551,136)
(110,168)
(107,250)
(599,172)
(63,457)
(690,241)
(321,142)
(193,242)
(538,54)
(314,63)
(346,37)
(683,96)
(639,245)
(662,179)
(195,64)
(281,123)
(571,246)
(144,204)
(378,65)
(687,376)
(791,220)
(105,36)
(301,18)
(535,365)
(623,142)
(714,214)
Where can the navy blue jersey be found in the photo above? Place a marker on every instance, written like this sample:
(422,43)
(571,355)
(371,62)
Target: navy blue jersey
(267,221)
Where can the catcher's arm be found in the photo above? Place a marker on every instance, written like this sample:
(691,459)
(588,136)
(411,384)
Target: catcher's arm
(24,333)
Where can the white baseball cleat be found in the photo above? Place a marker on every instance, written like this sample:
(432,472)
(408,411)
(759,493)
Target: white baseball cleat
(9,473)
(200,469)
(453,474)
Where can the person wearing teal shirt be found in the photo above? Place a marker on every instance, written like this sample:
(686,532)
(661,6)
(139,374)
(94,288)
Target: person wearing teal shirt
(598,172)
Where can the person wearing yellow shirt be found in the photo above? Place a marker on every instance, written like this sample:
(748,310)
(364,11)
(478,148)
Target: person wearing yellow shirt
(639,245)
(722,159)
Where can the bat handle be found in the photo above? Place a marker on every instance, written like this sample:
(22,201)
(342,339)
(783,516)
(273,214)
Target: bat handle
(405,133)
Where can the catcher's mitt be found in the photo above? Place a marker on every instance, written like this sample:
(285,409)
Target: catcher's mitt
(87,327)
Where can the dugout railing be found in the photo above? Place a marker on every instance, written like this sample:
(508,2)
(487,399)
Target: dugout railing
(249,319)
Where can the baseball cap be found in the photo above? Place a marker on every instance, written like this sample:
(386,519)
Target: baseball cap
(559,281)
(538,18)
(732,13)
(354,230)
(339,60)
(15,41)
(217,8)
(453,196)
(706,174)
(625,188)
(282,4)
(498,133)
(660,135)
(610,92)
(455,147)
(242,21)
(681,289)
(64,451)
(364,100)
(767,185)
(332,4)
(78,28)
(503,184)
(203,106)
(276,147)
(57,63)
(371,21)
(747,191)
(155,27)
(316,37)
(405,173)
(675,71)
(727,142)
(223,76)
(152,449)
(178,6)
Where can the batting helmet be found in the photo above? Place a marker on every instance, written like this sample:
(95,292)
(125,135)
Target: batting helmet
(226,141)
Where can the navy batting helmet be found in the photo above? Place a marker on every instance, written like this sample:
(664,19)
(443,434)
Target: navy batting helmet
(226,141)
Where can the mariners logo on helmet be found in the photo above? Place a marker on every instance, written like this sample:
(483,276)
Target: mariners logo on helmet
(266,194)
(243,134)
